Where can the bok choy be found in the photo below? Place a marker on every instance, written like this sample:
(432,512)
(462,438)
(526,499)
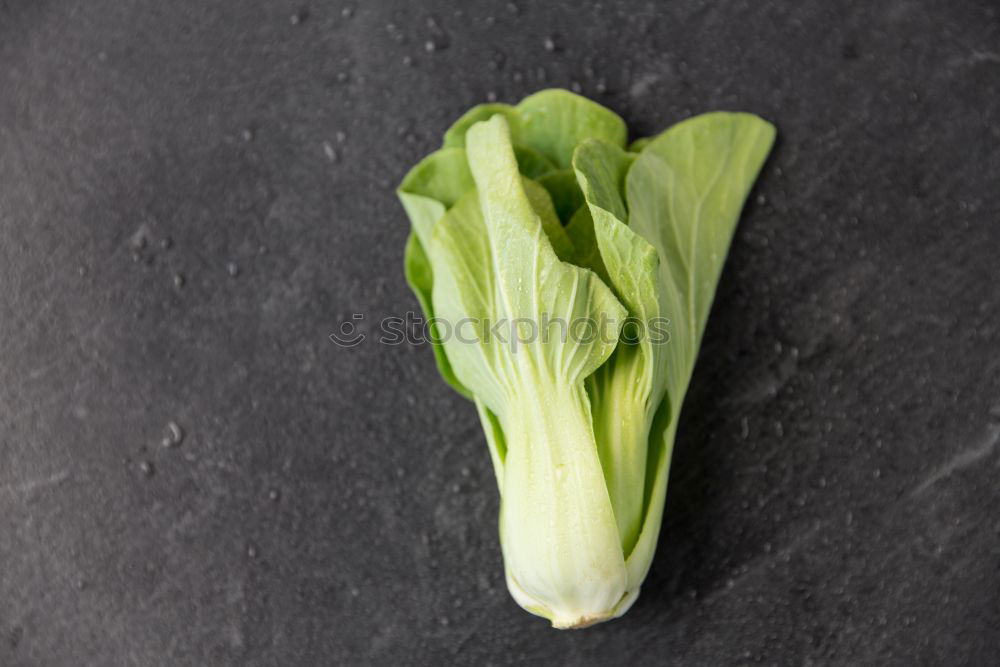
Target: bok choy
(567,278)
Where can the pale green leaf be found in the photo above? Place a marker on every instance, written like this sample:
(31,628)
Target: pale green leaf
(554,122)
(685,192)
(454,137)
(532,163)
(434,184)
(432,187)
(417,270)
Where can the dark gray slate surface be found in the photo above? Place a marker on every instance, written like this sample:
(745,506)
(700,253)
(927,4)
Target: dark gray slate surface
(834,498)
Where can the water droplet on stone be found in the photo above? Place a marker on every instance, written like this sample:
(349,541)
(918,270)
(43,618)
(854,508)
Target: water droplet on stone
(246,135)
(329,151)
(232,269)
(347,12)
(251,551)
(178,280)
(341,137)
(166,243)
(137,241)
(491,96)
(513,8)
(274,495)
(174,435)
(550,44)
(146,468)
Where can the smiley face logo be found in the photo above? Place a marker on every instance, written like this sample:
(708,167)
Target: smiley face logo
(349,336)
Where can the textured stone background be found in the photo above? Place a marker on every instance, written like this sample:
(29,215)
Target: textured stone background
(834,498)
